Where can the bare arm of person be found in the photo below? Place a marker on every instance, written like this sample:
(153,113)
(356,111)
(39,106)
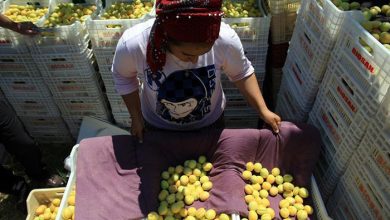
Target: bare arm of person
(250,89)
(133,104)
(25,28)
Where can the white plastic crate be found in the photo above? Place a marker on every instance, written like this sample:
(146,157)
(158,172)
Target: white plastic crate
(284,13)
(104,56)
(13,86)
(117,104)
(64,38)
(18,65)
(373,151)
(83,86)
(60,138)
(234,112)
(33,106)
(364,192)
(78,106)
(41,197)
(257,55)
(288,104)
(319,206)
(123,120)
(339,113)
(43,123)
(241,122)
(341,205)
(324,20)
(369,71)
(305,84)
(106,33)
(12,42)
(66,64)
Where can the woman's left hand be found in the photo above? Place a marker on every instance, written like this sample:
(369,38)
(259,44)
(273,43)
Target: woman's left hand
(272,119)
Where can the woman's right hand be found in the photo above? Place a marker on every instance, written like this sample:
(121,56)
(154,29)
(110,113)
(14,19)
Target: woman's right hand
(137,128)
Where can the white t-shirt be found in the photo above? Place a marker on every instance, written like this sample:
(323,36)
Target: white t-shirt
(184,96)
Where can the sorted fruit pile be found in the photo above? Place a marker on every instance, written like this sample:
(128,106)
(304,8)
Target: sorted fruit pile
(123,10)
(68,13)
(261,184)
(47,211)
(240,9)
(23,13)
(68,212)
(183,185)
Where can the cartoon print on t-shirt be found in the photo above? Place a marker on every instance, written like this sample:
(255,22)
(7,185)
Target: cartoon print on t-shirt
(183,96)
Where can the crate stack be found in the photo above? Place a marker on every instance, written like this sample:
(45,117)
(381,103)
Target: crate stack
(316,31)
(25,88)
(363,191)
(253,33)
(284,13)
(67,65)
(354,87)
(104,35)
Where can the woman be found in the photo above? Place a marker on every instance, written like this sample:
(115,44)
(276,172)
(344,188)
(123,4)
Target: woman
(179,57)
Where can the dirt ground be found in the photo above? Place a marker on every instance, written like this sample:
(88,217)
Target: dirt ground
(53,157)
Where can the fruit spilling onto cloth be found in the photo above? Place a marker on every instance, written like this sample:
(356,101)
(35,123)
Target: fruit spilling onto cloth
(47,211)
(23,13)
(68,13)
(261,184)
(123,10)
(183,185)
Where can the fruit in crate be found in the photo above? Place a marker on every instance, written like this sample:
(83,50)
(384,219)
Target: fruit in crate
(68,211)
(47,211)
(124,10)
(292,204)
(22,13)
(240,9)
(68,13)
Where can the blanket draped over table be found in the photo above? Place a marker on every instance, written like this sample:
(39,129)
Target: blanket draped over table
(118,178)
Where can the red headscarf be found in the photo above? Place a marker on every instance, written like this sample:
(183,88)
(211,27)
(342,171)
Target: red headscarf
(184,21)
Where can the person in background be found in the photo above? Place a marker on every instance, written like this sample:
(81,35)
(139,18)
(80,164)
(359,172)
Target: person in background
(19,144)
(178,59)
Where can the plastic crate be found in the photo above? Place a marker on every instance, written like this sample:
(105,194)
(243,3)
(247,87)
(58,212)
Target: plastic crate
(18,65)
(13,86)
(106,33)
(241,122)
(234,112)
(12,42)
(117,103)
(83,86)
(342,205)
(71,184)
(257,55)
(104,56)
(123,120)
(319,206)
(56,138)
(289,103)
(39,197)
(33,106)
(370,72)
(78,106)
(304,85)
(283,6)
(324,20)
(365,192)
(284,14)
(43,123)
(374,150)
(313,54)
(65,65)
(339,112)
(64,38)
